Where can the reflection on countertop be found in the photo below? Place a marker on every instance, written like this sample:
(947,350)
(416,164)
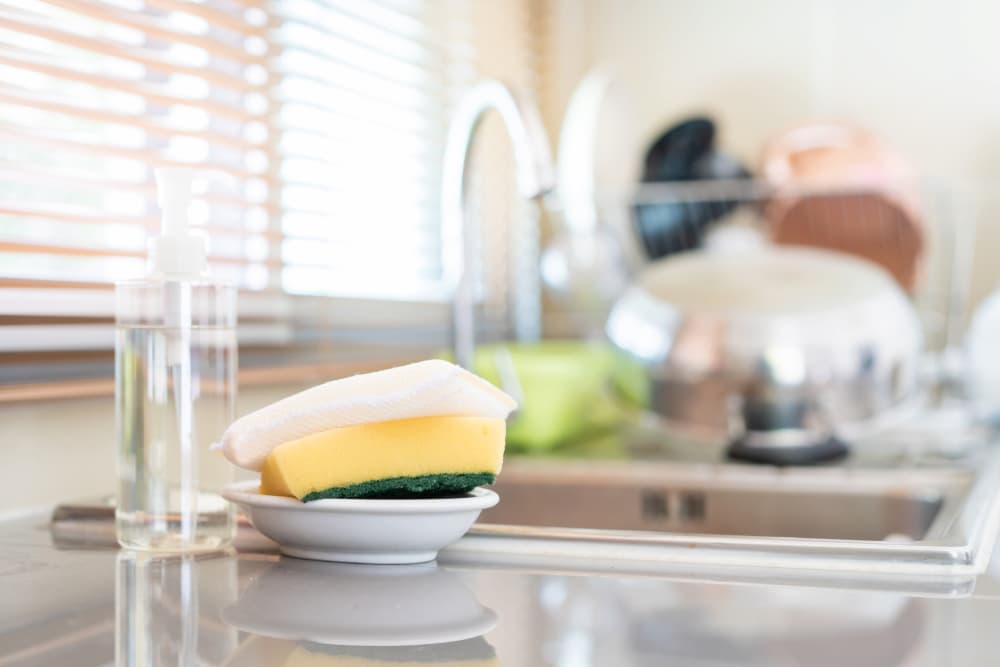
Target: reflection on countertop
(167,608)
(186,610)
(271,652)
(101,607)
(359,605)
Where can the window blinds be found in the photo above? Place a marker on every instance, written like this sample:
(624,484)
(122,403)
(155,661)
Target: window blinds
(92,97)
(359,95)
(316,127)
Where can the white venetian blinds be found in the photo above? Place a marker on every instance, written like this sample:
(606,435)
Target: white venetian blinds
(93,95)
(360,92)
(316,126)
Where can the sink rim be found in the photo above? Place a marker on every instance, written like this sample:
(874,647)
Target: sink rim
(957,543)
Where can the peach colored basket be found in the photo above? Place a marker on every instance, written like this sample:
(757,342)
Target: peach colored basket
(836,186)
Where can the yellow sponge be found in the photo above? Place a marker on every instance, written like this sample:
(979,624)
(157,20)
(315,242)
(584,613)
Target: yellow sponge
(404,457)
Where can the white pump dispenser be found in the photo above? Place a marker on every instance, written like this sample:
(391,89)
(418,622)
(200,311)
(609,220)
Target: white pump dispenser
(178,251)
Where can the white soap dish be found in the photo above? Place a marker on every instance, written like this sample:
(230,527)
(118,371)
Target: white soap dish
(353,530)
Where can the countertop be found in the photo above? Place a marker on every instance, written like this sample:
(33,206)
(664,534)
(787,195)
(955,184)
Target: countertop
(81,607)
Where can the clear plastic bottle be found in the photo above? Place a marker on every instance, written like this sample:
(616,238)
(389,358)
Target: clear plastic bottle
(175,390)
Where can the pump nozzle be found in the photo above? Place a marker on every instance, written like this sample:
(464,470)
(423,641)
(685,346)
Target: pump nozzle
(178,251)
(174,194)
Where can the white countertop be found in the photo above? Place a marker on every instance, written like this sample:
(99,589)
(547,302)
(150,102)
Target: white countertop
(64,606)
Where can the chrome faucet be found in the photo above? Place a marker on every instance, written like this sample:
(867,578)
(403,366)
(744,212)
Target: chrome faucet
(535,177)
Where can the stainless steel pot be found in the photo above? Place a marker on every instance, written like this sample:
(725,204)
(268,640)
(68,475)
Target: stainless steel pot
(787,352)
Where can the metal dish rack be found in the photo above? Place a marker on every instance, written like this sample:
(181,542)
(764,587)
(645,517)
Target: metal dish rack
(947,217)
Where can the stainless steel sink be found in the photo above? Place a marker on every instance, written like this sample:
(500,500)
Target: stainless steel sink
(673,498)
(939,519)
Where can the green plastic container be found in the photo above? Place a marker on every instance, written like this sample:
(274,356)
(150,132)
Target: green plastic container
(571,391)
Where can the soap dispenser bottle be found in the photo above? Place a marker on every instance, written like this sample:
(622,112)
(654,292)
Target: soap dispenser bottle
(175,389)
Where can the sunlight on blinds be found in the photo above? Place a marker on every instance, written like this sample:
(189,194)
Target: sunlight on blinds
(92,96)
(361,114)
(316,128)
(317,124)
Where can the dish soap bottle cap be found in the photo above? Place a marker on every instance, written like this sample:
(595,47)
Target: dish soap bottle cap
(178,251)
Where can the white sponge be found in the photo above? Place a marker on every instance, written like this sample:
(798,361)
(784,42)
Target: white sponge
(424,389)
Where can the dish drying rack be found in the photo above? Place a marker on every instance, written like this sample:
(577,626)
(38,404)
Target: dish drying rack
(730,214)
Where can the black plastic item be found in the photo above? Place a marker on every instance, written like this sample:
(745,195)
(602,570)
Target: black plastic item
(666,228)
(685,152)
(674,155)
(823,451)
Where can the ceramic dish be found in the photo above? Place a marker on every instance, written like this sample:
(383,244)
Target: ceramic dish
(359,605)
(350,530)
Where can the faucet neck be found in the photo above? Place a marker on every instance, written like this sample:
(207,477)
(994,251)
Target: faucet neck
(535,177)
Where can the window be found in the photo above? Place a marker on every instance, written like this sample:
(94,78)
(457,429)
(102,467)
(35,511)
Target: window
(316,126)
(360,92)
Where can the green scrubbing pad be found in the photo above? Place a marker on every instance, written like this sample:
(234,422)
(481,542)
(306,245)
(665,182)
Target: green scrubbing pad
(422,486)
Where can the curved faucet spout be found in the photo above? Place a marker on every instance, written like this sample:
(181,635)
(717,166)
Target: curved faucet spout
(535,177)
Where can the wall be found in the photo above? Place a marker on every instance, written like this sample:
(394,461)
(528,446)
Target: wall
(923,74)
(64,450)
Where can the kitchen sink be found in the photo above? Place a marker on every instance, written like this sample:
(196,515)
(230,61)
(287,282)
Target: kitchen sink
(672,498)
(916,519)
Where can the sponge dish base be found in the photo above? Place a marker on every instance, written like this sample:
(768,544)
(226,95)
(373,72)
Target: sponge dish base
(361,530)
